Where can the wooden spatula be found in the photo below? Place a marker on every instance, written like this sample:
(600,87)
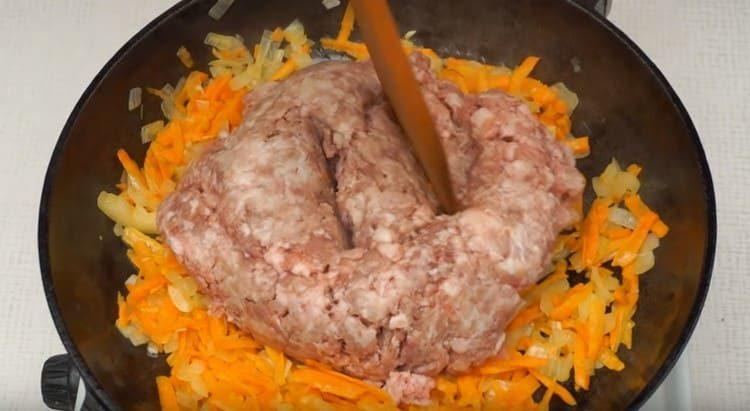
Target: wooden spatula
(380,34)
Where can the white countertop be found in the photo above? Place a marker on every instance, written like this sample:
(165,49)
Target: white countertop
(51,49)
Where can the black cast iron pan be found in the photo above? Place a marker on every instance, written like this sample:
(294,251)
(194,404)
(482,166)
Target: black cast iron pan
(627,107)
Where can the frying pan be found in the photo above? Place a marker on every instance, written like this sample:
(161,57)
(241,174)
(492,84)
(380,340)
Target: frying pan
(627,107)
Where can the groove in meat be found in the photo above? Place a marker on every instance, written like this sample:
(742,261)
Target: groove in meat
(312,226)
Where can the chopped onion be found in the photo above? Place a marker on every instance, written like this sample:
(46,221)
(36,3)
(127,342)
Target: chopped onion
(133,334)
(169,110)
(217,70)
(585,307)
(152,350)
(168,90)
(244,79)
(295,34)
(121,211)
(536,350)
(622,217)
(180,85)
(615,183)
(150,130)
(218,10)
(409,34)
(646,259)
(329,4)
(178,299)
(199,387)
(134,98)
(625,183)
(222,42)
(131,280)
(651,243)
(570,98)
(172,344)
(609,322)
(555,289)
(184,55)
(644,262)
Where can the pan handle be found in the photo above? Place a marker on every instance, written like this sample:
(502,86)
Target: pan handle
(63,388)
(601,7)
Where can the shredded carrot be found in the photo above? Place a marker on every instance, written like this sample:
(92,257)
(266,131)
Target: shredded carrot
(581,368)
(634,169)
(521,72)
(167,397)
(284,71)
(595,327)
(526,316)
(580,146)
(498,366)
(633,243)
(660,229)
(557,388)
(278,34)
(347,24)
(592,226)
(572,300)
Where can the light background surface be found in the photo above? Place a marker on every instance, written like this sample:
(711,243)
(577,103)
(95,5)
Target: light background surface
(51,49)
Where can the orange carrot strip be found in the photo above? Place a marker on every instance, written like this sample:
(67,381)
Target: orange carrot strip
(581,369)
(284,71)
(167,397)
(497,365)
(610,360)
(595,327)
(571,300)
(554,386)
(580,146)
(131,167)
(660,229)
(347,24)
(617,233)
(521,72)
(629,251)
(526,316)
(277,35)
(592,226)
(634,169)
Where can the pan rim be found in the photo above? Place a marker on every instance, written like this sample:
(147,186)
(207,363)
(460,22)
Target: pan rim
(648,389)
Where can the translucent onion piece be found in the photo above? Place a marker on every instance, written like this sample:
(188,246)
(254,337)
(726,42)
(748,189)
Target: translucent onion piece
(295,33)
(218,10)
(122,212)
(152,350)
(150,130)
(570,98)
(184,55)
(329,4)
(131,280)
(644,262)
(622,217)
(133,334)
(651,243)
(178,299)
(222,42)
(409,34)
(134,98)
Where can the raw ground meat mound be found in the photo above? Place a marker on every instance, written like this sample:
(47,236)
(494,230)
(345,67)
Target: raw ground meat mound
(312,227)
